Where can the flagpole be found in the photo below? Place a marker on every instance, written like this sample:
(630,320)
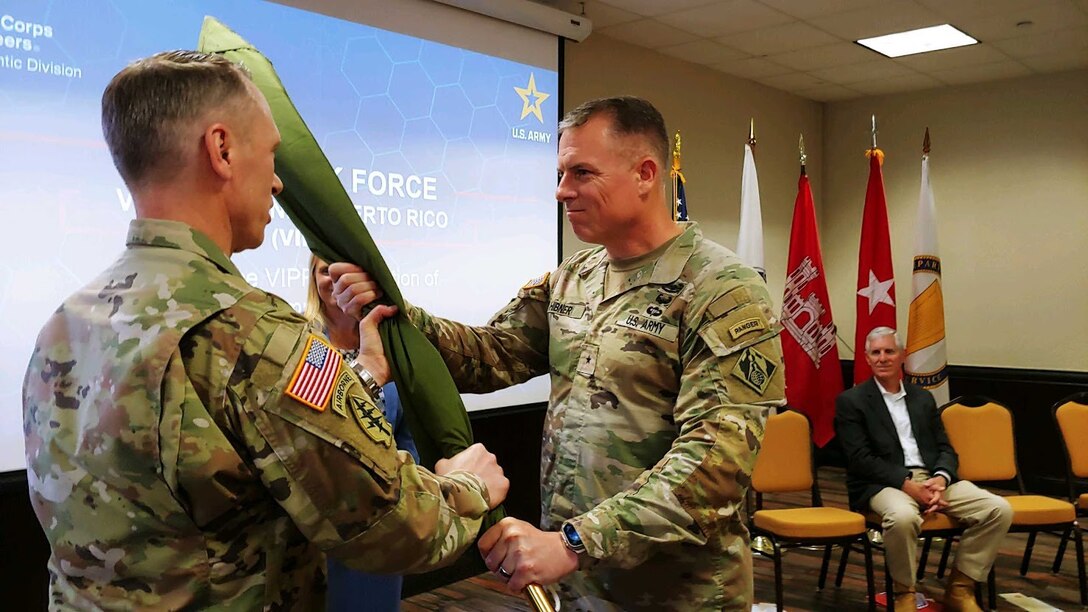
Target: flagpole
(752,134)
(801,149)
(874,132)
(678,213)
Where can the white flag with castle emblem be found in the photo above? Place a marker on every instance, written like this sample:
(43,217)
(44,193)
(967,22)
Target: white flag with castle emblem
(750,241)
(927,365)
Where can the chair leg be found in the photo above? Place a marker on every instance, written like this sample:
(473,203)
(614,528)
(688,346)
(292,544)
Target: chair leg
(945,552)
(823,567)
(1060,554)
(842,563)
(889,592)
(870,587)
(777,575)
(921,571)
(991,587)
(1079,541)
(1027,553)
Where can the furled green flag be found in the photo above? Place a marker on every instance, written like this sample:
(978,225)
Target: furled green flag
(320,207)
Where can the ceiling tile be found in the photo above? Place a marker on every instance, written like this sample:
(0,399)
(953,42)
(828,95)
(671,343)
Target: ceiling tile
(1045,17)
(890,17)
(896,84)
(793,81)
(650,8)
(953,58)
(703,52)
(753,68)
(961,9)
(865,71)
(982,72)
(828,93)
(1057,62)
(838,54)
(1073,39)
(808,9)
(602,15)
(647,33)
(724,17)
(779,39)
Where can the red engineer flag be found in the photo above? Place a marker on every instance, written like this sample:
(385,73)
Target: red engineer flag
(876,282)
(813,374)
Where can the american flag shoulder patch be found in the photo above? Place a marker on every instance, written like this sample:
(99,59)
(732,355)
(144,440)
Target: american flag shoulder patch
(316,373)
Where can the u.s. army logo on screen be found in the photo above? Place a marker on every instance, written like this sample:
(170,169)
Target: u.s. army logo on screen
(754,369)
(531,107)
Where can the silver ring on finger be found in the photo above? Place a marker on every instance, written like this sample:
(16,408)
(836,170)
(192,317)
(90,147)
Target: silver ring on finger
(505,574)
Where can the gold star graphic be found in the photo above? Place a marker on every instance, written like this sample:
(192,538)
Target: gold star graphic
(528,107)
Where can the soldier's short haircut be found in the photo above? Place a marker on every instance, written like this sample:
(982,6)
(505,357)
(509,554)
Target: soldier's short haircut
(147,106)
(882,331)
(630,116)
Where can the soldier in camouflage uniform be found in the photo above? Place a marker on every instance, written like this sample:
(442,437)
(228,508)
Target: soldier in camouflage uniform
(664,356)
(191,441)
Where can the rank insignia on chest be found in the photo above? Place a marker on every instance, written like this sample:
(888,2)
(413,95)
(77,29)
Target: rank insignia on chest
(754,369)
(370,420)
(316,374)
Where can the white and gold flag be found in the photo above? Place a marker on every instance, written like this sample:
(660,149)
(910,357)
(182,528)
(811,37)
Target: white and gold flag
(927,365)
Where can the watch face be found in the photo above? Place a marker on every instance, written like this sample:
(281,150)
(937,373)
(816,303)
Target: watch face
(572,537)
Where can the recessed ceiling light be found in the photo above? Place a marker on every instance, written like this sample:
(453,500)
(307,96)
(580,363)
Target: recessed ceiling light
(922,40)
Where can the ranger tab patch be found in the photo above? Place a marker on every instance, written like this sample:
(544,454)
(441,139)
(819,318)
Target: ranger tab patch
(754,369)
(747,325)
(316,373)
(370,420)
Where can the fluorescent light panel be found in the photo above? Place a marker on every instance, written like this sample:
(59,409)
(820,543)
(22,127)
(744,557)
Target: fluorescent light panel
(923,40)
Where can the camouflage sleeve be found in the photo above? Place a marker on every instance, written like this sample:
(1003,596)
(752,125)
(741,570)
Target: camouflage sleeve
(326,454)
(732,372)
(510,349)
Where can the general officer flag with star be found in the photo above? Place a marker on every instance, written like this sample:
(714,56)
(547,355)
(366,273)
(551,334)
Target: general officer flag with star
(876,282)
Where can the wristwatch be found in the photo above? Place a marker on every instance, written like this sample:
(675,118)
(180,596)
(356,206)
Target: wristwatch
(571,538)
(372,387)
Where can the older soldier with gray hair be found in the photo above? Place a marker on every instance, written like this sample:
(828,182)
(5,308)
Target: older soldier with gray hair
(664,356)
(191,441)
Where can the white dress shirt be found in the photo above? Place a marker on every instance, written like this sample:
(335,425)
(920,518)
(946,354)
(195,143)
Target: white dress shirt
(897,408)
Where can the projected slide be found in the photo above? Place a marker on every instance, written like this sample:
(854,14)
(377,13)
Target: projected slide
(448,155)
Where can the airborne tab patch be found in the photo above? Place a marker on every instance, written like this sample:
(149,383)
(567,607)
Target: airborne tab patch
(754,369)
(313,379)
(340,393)
(370,420)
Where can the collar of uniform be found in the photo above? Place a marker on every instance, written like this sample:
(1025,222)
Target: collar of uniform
(178,235)
(664,269)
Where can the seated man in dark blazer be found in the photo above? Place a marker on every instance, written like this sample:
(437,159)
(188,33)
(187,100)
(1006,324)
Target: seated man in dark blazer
(901,465)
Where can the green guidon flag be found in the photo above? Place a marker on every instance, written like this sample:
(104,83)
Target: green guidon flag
(317,203)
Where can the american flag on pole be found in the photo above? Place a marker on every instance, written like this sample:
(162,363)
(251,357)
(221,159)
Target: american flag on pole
(314,378)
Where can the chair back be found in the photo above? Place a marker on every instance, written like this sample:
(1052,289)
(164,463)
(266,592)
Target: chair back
(784,462)
(981,432)
(1071,414)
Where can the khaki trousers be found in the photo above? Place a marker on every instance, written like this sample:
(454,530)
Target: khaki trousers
(986,517)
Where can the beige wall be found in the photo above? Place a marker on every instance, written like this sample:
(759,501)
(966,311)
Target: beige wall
(1009,168)
(711,110)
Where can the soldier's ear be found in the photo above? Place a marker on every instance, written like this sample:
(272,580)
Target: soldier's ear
(647,170)
(217,141)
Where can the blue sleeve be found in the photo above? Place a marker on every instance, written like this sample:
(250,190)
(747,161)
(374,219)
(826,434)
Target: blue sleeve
(395,415)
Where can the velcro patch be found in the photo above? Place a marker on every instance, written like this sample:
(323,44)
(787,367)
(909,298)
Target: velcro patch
(536,282)
(746,326)
(315,375)
(754,369)
(370,420)
(729,302)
